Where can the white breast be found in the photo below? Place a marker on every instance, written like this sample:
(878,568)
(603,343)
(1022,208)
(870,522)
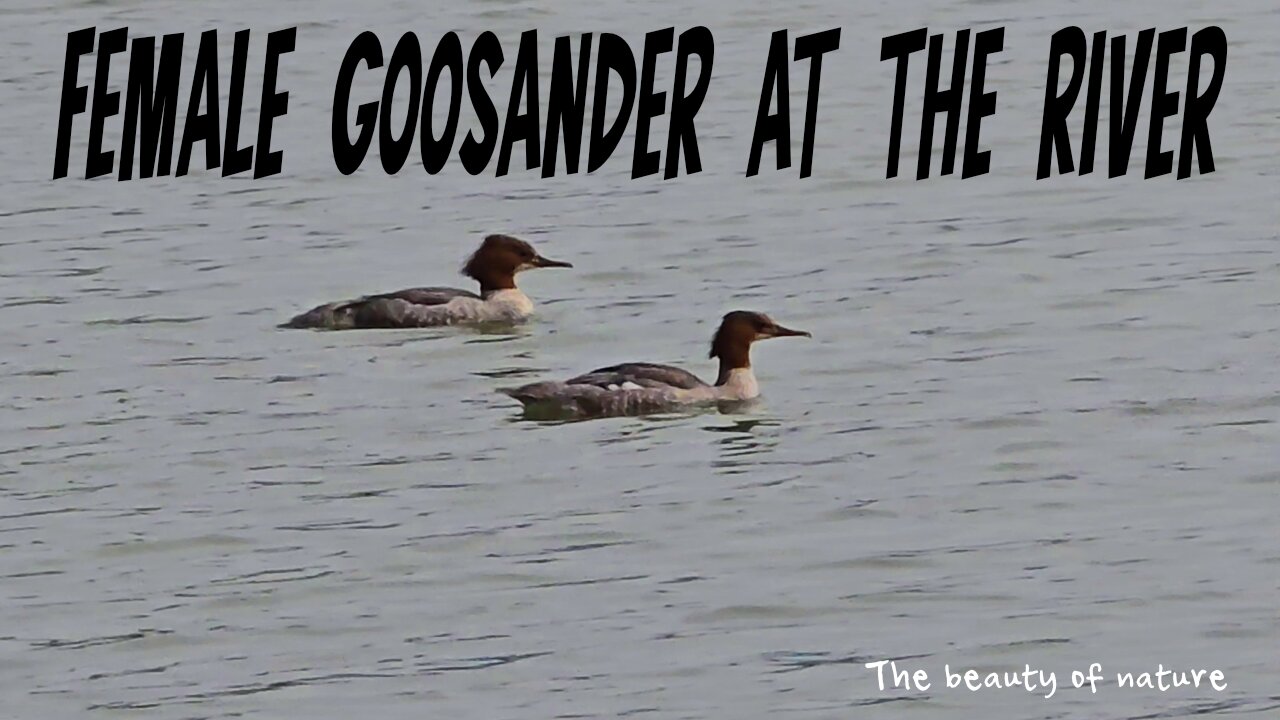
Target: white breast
(508,305)
(500,306)
(741,385)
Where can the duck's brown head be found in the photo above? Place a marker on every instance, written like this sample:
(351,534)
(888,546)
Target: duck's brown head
(498,260)
(740,328)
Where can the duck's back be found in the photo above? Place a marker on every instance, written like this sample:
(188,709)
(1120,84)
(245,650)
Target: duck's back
(415,308)
(642,375)
(626,389)
(426,295)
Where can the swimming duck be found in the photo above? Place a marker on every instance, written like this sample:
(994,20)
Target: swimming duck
(639,388)
(494,265)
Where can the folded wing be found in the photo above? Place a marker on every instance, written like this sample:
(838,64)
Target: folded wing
(412,307)
(639,375)
(424,295)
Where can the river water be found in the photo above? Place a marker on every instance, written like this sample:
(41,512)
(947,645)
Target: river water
(1036,423)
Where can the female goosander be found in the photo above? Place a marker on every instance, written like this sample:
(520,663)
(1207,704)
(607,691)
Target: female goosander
(494,266)
(638,388)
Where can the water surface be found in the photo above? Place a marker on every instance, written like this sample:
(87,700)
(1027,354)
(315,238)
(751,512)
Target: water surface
(1036,423)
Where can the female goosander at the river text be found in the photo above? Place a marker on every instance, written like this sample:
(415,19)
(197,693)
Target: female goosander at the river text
(494,266)
(638,388)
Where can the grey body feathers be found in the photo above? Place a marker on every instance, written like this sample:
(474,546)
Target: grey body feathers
(400,309)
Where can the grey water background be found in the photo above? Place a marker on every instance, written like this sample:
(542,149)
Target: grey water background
(1036,423)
